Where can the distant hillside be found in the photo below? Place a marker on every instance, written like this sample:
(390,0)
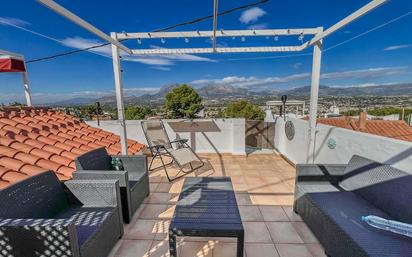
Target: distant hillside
(218,92)
(381,90)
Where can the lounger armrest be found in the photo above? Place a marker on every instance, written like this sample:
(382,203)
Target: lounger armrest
(38,237)
(95,193)
(136,165)
(319,172)
(181,141)
(120,175)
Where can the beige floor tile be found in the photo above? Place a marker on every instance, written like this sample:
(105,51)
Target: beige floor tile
(159,198)
(291,214)
(176,187)
(197,249)
(160,248)
(153,187)
(225,250)
(163,188)
(243,199)
(316,250)
(272,199)
(260,250)
(305,233)
(283,232)
(152,211)
(168,212)
(161,228)
(250,213)
(293,250)
(115,249)
(256,232)
(140,229)
(154,178)
(134,248)
(273,213)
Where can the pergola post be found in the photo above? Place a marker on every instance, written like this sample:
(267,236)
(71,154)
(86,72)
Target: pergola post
(314,94)
(26,86)
(119,95)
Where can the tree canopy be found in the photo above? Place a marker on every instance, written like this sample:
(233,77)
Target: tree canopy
(183,102)
(244,109)
(137,112)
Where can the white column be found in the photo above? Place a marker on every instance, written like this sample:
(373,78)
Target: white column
(313,108)
(26,86)
(119,94)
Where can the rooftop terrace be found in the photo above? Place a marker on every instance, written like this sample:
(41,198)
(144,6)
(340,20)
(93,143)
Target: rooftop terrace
(264,185)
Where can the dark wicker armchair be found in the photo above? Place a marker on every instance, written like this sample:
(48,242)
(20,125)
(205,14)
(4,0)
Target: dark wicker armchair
(133,180)
(40,216)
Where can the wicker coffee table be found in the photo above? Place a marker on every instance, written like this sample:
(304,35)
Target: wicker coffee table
(207,207)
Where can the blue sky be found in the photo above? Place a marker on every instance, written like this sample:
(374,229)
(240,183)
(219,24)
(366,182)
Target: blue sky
(383,56)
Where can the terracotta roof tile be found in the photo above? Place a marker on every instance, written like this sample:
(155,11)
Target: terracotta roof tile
(397,129)
(36,139)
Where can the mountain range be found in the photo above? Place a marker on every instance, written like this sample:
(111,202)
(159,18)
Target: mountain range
(219,92)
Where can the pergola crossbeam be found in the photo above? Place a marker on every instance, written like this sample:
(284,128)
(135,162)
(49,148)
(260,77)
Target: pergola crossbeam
(220,33)
(176,51)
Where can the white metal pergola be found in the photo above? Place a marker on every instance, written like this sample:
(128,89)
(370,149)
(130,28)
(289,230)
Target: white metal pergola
(26,85)
(318,34)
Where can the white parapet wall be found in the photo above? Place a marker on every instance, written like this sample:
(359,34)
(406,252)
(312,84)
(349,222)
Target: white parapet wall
(338,145)
(228,137)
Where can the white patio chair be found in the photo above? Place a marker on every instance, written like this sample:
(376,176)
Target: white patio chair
(160,146)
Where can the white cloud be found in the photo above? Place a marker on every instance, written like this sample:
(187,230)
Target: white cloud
(48,98)
(251,15)
(370,73)
(396,47)
(157,60)
(247,82)
(161,68)
(297,65)
(13,21)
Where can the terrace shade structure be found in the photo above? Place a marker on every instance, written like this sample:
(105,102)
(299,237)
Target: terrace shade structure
(12,62)
(318,34)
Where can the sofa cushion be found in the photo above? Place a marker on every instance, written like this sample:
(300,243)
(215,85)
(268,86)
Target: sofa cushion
(97,159)
(345,209)
(39,196)
(87,220)
(386,187)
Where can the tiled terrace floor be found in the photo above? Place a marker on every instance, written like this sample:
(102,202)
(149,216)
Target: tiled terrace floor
(264,187)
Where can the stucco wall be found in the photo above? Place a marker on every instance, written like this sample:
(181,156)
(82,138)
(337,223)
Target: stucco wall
(395,152)
(229,137)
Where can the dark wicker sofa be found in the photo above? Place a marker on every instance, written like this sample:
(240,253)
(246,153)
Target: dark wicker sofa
(40,216)
(332,198)
(133,180)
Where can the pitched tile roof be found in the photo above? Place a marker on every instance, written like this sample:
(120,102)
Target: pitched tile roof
(36,139)
(397,129)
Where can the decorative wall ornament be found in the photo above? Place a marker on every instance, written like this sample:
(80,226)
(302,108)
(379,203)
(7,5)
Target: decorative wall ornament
(331,143)
(290,130)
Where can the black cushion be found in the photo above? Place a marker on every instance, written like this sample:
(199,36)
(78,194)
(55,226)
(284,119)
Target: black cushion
(40,196)
(97,159)
(385,187)
(345,210)
(87,220)
(132,183)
